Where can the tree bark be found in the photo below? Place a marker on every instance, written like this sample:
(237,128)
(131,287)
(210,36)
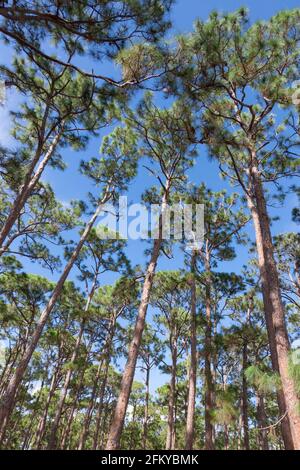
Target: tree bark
(28,433)
(245,398)
(209,388)
(52,444)
(42,423)
(52,439)
(67,430)
(262,422)
(274,312)
(190,420)
(170,442)
(117,424)
(226,437)
(146,409)
(105,360)
(100,405)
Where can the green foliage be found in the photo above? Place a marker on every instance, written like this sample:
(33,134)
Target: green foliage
(265,382)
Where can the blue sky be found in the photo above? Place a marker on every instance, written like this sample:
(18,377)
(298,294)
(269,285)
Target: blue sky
(70,185)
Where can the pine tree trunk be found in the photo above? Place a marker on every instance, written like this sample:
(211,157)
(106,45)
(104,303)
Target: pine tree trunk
(104,428)
(146,409)
(262,422)
(274,312)
(105,360)
(190,420)
(52,444)
(170,442)
(117,424)
(245,399)
(7,371)
(67,430)
(28,434)
(21,409)
(226,437)
(8,397)
(42,423)
(209,388)
(100,405)
(239,430)
(132,442)
(52,440)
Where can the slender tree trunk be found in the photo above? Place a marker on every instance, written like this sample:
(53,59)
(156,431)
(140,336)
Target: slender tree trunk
(262,422)
(127,379)
(28,433)
(26,190)
(8,370)
(245,398)
(226,437)
(42,423)
(21,408)
(52,440)
(67,430)
(175,421)
(106,361)
(52,444)
(5,370)
(100,405)
(170,442)
(117,423)
(190,420)
(274,312)
(132,443)
(88,415)
(8,397)
(239,433)
(104,428)
(96,440)
(146,409)
(209,387)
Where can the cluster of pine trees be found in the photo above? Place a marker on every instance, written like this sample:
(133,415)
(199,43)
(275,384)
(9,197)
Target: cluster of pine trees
(78,357)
